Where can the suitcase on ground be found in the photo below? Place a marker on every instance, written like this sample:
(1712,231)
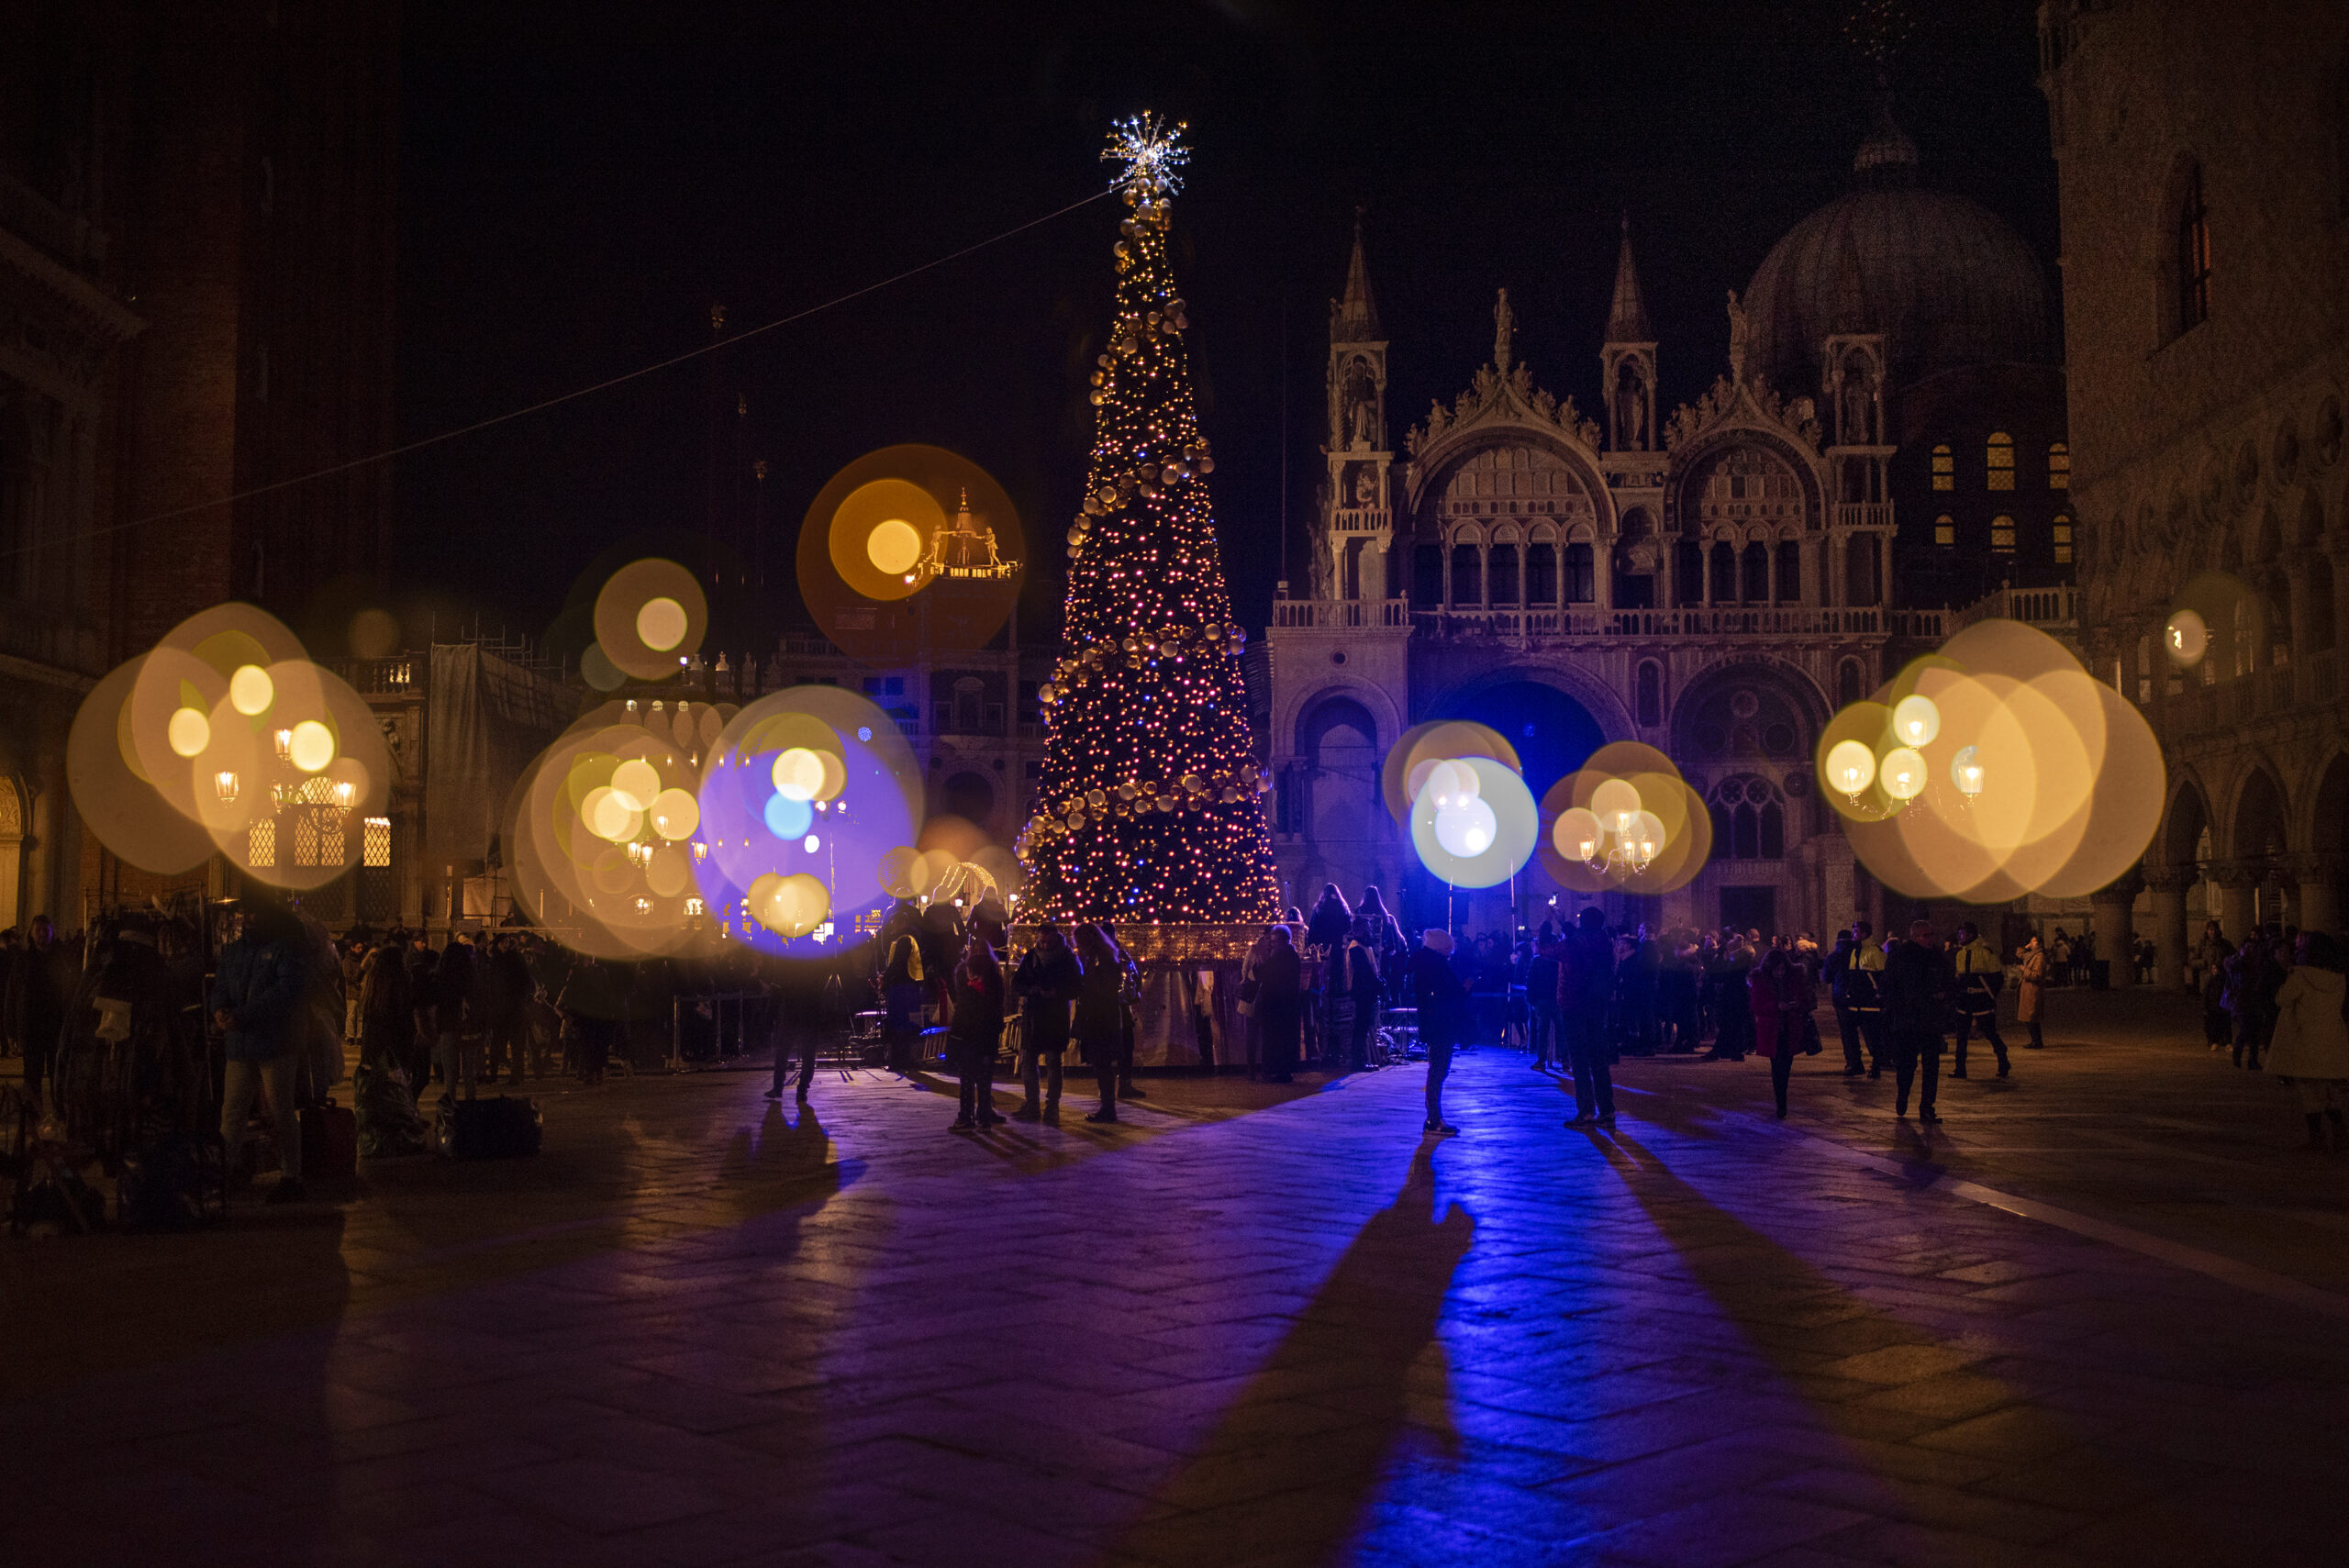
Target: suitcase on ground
(505,1127)
(329,1142)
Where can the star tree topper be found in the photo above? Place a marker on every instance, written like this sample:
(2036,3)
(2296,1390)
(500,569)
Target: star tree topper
(1151,154)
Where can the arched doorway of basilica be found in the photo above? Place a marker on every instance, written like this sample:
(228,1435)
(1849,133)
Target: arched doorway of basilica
(1741,736)
(1552,733)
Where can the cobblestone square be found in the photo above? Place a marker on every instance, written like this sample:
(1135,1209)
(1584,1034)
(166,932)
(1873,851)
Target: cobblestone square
(2096,1317)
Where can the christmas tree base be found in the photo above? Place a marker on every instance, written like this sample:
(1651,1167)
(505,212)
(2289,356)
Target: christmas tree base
(1189,1012)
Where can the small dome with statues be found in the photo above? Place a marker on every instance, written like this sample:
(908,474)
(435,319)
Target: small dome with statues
(1946,280)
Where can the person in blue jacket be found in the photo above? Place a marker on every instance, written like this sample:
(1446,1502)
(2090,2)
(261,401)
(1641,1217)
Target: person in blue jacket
(258,999)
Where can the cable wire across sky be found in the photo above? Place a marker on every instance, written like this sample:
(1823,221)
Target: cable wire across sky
(605,386)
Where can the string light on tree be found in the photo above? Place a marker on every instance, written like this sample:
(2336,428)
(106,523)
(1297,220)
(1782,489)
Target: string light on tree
(1151,807)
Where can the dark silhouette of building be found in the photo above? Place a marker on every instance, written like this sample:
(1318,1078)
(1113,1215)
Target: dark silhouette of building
(196,255)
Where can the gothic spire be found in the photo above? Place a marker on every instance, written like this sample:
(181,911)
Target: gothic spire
(1355,318)
(1627,318)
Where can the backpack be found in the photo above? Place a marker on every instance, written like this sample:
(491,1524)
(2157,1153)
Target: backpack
(176,1183)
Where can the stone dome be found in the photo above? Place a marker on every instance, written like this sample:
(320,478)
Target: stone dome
(1945,279)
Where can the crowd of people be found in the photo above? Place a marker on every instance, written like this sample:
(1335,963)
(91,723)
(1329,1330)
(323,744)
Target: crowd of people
(2268,1002)
(113,1029)
(1578,997)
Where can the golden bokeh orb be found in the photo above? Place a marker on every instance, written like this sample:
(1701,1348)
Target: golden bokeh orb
(661,622)
(892,546)
(798,773)
(2185,639)
(251,691)
(312,746)
(189,732)
(1903,771)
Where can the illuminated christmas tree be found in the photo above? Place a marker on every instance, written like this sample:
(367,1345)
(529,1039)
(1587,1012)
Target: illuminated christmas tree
(1151,807)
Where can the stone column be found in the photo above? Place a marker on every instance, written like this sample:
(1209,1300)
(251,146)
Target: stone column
(2168,884)
(2317,908)
(2234,900)
(2115,936)
(1842,906)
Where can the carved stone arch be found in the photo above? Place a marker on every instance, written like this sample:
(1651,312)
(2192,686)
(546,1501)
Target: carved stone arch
(1333,797)
(1303,711)
(1693,462)
(2183,821)
(1507,533)
(1467,531)
(1454,449)
(1794,679)
(2257,817)
(1602,702)
(1543,533)
(2325,823)
(1744,713)
(2224,547)
(2267,536)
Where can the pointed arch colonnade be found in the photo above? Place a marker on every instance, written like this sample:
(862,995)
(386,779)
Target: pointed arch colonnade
(2247,838)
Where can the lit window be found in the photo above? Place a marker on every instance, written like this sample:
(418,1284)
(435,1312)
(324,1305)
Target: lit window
(376,845)
(2193,256)
(1944,529)
(2002,461)
(2063,537)
(2002,534)
(1944,469)
(2059,467)
(261,844)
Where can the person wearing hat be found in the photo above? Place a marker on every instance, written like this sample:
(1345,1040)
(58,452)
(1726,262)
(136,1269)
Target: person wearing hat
(1443,1004)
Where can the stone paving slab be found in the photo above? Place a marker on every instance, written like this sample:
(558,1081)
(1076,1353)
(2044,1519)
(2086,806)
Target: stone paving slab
(1243,1327)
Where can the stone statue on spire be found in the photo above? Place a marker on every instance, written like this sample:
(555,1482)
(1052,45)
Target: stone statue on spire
(1739,338)
(1504,328)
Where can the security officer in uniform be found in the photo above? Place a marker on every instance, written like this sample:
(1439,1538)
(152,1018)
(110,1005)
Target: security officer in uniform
(1980,977)
(1863,986)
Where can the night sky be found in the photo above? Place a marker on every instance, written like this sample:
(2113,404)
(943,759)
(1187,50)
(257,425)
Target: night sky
(581,181)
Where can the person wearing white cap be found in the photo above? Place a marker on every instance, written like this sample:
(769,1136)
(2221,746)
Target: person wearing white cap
(1443,1004)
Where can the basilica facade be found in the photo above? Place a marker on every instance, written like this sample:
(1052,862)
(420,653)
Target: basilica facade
(1884,449)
